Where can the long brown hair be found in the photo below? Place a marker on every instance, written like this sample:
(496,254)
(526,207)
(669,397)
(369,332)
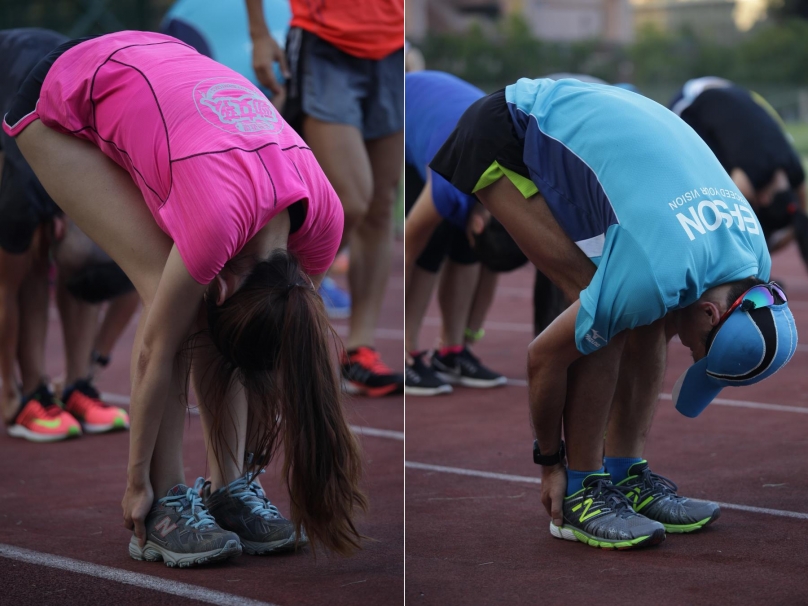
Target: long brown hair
(274,337)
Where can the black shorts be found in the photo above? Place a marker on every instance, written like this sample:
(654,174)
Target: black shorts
(447,240)
(24,203)
(483,135)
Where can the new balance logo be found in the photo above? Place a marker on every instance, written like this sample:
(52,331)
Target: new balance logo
(585,515)
(164,526)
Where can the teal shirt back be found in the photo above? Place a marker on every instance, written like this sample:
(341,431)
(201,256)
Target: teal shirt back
(641,194)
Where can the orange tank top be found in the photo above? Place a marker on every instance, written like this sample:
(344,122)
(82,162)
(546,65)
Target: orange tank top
(369,29)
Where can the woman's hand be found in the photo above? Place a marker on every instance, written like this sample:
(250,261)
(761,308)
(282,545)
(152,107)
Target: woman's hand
(137,502)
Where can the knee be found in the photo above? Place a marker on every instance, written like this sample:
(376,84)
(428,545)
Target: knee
(535,357)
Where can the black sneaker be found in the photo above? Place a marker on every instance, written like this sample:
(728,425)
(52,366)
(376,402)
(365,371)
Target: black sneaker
(364,373)
(465,369)
(421,380)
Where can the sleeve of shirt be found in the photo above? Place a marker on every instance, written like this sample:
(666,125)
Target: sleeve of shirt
(623,294)
(451,204)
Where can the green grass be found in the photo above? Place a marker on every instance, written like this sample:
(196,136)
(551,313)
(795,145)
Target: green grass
(799,130)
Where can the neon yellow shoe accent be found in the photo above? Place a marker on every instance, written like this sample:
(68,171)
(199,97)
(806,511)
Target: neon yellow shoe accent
(118,423)
(606,544)
(682,528)
(637,508)
(52,424)
(496,171)
(74,431)
(585,515)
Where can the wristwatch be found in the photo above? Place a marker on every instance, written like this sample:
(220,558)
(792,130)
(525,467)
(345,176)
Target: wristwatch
(548,460)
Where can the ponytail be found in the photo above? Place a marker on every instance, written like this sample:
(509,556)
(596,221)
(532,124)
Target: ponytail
(275,336)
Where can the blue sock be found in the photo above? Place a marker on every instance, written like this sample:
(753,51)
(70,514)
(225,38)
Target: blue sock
(618,466)
(575,479)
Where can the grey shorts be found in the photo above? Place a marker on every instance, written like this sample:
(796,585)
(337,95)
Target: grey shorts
(336,87)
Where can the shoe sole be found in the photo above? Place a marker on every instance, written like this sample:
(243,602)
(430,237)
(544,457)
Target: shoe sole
(357,389)
(685,528)
(427,391)
(467,382)
(573,534)
(116,426)
(18,431)
(154,553)
(282,546)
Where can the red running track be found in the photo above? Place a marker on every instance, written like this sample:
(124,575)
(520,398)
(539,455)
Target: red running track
(63,499)
(485,540)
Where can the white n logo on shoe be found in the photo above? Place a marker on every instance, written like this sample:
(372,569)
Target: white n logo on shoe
(164,526)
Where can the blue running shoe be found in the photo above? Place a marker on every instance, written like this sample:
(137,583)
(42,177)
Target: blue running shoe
(337,301)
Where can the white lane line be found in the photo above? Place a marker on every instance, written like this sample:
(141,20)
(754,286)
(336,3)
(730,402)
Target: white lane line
(472,472)
(378,433)
(183,590)
(122,400)
(383,334)
(530,480)
(718,401)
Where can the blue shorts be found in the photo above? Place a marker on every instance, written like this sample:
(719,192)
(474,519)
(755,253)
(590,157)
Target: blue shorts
(336,87)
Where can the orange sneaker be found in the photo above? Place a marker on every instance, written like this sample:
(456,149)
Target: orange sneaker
(364,373)
(41,420)
(84,403)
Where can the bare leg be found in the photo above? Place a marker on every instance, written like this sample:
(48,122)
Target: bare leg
(13,269)
(341,153)
(416,302)
(591,383)
(458,284)
(79,325)
(119,312)
(372,241)
(642,369)
(33,315)
(106,205)
(483,298)
(231,449)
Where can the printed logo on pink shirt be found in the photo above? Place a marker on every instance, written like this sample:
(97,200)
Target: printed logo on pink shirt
(235,107)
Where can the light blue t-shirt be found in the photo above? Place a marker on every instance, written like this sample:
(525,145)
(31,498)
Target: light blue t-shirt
(641,194)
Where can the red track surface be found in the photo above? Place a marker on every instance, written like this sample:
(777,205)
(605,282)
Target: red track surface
(64,499)
(474,540)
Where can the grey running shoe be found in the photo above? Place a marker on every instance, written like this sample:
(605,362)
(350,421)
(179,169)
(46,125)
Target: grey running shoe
(244,508)
(655,496)
(599,515)
(181,533)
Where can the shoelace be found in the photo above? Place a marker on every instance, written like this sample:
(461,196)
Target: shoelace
(38,411)
(82,402)
(661,484)
(468,360)
(612,497)
(194,502)
(370,359)
(250,493)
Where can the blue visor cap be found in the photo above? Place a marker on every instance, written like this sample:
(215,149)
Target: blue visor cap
(750,346)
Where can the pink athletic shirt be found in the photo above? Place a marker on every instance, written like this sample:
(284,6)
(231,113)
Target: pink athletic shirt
(212,157)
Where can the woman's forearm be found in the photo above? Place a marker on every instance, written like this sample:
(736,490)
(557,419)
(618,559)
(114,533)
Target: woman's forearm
(149,393)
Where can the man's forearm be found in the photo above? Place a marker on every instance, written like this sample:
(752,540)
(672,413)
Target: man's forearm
(255,15)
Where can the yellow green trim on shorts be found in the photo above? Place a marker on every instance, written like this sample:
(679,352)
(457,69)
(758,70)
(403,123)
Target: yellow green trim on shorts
(495,172)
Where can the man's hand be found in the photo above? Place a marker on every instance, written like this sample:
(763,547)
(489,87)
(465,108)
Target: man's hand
(136,504)
(553,489)
(266,53)
(479,218)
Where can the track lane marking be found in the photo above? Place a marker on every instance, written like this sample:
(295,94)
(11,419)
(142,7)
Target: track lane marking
(718,401)
(144,581)
(122,400)
(530,480)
